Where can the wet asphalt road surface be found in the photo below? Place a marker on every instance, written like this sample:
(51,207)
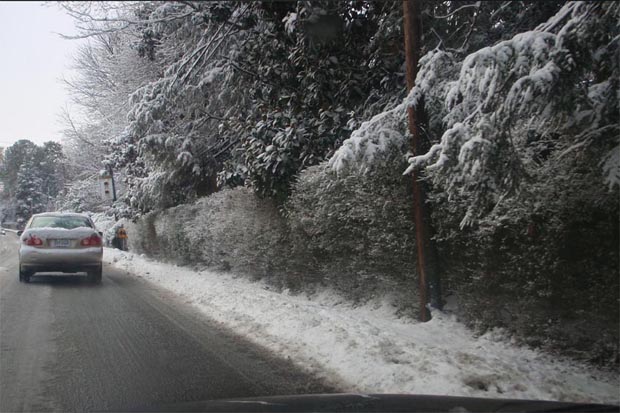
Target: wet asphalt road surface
(68,345)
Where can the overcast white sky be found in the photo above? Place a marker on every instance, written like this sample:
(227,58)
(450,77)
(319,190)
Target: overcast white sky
(32,60)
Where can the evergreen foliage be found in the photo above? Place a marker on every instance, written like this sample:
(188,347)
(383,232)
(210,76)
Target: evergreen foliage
(32,176)
(303,104)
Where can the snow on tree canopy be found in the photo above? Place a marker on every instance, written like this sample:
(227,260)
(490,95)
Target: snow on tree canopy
(372,137)
(537,80)
(558,82)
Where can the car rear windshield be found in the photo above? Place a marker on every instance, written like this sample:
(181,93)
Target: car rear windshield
(60,222)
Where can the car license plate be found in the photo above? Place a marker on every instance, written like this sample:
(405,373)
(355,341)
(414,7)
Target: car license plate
(60,243)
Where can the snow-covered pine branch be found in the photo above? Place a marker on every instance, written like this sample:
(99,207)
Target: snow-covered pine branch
(555,80)
(537,82)
(372,137)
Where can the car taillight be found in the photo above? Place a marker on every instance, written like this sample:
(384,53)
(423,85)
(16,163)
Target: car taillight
(92,241)
(33,241)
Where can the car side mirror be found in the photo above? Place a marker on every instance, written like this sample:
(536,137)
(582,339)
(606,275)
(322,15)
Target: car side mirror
(100,233)
(19,233)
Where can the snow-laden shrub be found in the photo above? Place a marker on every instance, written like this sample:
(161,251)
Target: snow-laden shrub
(235,229)
(141,236)
(350,232)
(230,230)
(524,173)
(357,226)
(524,180)
(543,265)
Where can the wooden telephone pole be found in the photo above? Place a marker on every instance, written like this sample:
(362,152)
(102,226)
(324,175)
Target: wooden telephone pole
(428,276)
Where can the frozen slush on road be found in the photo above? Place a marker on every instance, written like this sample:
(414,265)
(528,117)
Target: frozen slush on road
(369,349)
(62,242)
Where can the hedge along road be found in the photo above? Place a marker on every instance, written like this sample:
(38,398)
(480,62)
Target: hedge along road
(69,345)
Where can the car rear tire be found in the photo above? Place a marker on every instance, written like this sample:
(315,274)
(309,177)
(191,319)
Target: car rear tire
(95,275)
(24,276)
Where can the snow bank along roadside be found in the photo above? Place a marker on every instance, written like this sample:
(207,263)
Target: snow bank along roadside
(368,348)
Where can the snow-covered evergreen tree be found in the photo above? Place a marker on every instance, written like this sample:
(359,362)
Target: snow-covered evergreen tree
(503,112)
(543,96)
(29,195)
(32,176)
(524,172)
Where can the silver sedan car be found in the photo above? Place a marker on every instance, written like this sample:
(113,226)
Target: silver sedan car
(60,242)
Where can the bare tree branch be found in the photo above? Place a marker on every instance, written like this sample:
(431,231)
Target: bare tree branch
(206,47)
(75,132)
(471,27)
(466,6)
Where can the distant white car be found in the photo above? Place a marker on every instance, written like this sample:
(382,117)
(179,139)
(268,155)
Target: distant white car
(63,242)
(2,231)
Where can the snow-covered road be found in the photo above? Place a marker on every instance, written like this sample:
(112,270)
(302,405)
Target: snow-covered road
(370,349)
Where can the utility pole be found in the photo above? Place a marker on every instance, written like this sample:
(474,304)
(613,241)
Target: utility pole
(428,276)
(113,184)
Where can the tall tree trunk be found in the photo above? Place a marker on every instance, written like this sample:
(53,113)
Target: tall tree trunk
(428,273)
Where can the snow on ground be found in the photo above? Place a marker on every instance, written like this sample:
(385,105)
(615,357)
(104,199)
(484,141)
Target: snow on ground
(369,349)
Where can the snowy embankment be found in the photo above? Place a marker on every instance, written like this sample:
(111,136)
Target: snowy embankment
(368,348)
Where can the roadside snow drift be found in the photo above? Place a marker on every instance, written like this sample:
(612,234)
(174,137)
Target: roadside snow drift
(368,348)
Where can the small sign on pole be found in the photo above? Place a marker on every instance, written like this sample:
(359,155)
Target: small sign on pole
(105,186)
